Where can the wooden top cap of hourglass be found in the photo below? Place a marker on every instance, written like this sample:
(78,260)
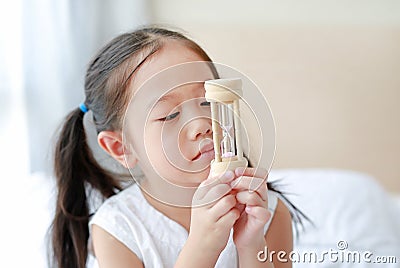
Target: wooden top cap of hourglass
(223,90)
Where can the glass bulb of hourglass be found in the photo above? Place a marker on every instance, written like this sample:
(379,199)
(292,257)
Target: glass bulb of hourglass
(227,143)
(228,133)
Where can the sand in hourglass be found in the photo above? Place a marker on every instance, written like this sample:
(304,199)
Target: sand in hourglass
(228,134)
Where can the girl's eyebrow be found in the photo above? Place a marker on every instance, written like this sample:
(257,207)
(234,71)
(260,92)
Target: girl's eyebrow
(164,98)
(170,96)
(167,97)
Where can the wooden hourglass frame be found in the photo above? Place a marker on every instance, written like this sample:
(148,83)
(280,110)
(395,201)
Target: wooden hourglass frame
(224,96)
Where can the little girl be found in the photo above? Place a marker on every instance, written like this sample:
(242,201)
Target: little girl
(226,224)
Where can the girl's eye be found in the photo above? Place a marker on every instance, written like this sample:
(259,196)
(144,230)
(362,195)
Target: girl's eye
(205,103)
(169,117)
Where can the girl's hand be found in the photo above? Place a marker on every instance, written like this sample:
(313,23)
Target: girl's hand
(213,214)
(251,189)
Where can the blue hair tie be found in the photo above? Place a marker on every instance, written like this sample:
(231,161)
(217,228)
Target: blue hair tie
(83,107)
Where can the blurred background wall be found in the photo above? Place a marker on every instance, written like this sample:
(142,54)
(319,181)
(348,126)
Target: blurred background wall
(329,69)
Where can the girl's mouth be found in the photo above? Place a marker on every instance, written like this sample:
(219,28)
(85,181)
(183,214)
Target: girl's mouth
(206,151)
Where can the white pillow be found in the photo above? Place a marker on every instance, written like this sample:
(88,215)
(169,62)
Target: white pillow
(346,207)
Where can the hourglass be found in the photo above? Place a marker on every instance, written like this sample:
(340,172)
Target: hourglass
(224,96)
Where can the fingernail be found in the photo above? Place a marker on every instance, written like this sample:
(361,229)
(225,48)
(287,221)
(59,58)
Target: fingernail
(233,183)
(253,186)
(228,175)
(239,171)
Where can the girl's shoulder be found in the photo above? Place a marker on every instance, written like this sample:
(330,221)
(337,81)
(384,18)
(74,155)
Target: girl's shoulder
(128,194)
(129,218)
(122,216)
(128,202)
(130,212)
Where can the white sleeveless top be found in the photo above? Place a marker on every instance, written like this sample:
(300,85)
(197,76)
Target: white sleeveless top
(153,237)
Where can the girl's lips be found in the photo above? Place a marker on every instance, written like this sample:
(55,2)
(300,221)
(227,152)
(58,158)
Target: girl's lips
(209,154)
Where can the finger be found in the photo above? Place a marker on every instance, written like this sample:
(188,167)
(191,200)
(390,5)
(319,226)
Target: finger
(247,183)
(260,214)
(229,218)
(222,206)
(212,181)
(240,206)
(252,172)
(250,199)
(213,195)
(251,184)
(224,177)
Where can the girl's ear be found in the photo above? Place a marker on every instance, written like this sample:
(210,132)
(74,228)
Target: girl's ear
(111,142)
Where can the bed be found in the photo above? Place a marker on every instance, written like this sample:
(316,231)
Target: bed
(349,211)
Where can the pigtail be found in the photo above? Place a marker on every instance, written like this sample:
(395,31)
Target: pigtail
(74,167)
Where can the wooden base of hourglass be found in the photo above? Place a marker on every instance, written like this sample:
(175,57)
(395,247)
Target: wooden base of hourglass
(229,163)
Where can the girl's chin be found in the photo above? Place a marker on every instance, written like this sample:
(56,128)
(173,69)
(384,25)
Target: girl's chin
(194,183)
(188,179)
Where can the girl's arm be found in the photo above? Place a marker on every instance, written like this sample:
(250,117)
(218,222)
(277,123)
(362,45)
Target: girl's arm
(278,240)
(253,246)
(213,214)
(279,236)
(194,256)
(112,253)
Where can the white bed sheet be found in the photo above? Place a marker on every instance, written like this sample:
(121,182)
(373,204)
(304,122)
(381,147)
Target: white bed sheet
(346,207)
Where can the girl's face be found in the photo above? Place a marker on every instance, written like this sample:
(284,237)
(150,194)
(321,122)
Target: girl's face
(168,123)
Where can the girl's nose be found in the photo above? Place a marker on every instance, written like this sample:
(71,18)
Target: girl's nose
(199,128)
